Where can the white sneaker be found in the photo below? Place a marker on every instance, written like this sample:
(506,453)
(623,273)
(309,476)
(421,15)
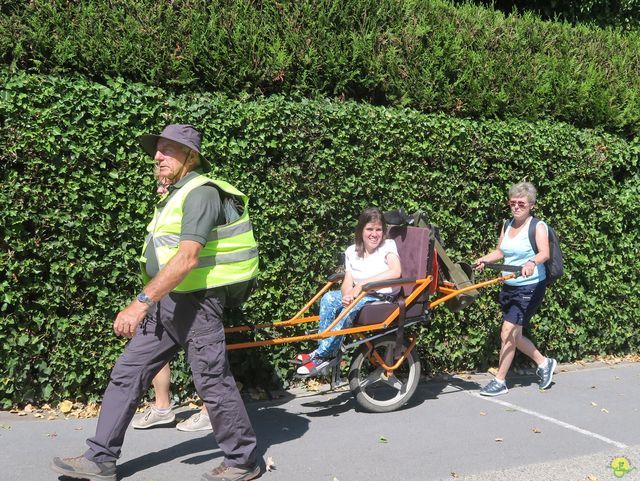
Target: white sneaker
(152,417)
(196,422)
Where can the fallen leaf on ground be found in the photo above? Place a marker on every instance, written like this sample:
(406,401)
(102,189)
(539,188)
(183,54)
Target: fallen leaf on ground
(258,394)
(270,465)
(28,408)
(313,385)
(594,403)
(482,413)
(536,430)
(606,411)
(5,426)
(65,406)
(499,440)
(591,477)
(382,439)
(454,475)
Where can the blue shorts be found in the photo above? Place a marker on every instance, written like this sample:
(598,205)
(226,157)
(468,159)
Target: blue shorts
(520,303)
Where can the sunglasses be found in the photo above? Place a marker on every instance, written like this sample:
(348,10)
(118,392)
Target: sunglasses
(517,203)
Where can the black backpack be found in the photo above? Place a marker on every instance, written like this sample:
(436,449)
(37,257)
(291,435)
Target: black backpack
(554,265)
(239,292)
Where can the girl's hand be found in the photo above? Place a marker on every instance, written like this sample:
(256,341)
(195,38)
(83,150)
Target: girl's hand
(355,292)
(346,300)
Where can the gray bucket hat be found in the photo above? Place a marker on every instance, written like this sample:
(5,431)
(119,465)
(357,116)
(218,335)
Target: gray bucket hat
(183,134)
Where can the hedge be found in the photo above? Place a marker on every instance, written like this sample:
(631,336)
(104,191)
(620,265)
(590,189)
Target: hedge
(77,190)
(468,61)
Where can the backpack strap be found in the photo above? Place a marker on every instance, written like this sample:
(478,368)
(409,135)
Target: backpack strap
(532,233)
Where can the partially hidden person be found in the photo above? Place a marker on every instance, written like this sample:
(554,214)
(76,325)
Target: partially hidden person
(160,413)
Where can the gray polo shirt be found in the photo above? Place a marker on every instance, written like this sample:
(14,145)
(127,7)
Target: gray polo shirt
(202,211)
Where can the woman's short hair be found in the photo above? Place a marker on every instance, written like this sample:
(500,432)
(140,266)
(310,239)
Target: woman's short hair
(524,189)
(371,214)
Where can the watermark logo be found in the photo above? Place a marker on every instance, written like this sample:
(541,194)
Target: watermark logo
(620,466)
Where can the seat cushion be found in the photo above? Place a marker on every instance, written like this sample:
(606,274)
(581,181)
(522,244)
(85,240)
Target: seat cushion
(377,312)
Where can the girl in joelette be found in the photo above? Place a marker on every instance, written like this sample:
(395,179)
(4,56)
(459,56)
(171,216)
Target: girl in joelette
(372,258)
(521,297)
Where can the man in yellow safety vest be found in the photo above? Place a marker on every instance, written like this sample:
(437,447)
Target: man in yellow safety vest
(199,248)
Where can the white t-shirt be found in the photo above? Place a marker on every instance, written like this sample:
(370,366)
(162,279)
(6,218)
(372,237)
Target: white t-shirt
(362,268)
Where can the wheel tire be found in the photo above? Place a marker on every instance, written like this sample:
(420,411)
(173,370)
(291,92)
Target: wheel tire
(368,385)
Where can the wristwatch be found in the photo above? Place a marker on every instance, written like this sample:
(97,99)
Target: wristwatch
(145,299)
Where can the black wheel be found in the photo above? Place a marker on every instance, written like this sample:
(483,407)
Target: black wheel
(373,389)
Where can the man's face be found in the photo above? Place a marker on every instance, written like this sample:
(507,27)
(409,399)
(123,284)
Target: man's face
(171,159)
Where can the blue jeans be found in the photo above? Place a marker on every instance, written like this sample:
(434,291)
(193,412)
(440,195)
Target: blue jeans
(330,307)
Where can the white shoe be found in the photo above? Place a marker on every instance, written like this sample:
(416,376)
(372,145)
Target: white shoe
(152,417)
(196,422)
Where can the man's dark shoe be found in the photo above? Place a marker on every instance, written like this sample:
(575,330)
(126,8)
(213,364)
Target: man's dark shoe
(82,468)
(232,473)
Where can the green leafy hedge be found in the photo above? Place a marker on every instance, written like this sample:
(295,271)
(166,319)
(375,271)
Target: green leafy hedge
(468,61)
(76,191)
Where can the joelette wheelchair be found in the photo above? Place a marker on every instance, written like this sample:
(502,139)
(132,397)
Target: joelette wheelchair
(385,368)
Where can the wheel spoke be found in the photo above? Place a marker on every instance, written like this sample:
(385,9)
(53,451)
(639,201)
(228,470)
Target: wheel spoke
(372,378)
(395,383)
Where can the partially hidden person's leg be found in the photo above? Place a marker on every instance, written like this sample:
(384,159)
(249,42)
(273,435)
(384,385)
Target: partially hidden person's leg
(160,413)
(162,387)
(144,356)
(196,422)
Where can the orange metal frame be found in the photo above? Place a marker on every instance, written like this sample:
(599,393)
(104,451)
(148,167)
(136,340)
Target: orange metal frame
(447,290)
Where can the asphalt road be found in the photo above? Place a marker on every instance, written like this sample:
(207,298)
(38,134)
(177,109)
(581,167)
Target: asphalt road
(574,431)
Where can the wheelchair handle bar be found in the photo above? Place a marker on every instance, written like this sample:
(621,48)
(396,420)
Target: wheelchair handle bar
(501,267)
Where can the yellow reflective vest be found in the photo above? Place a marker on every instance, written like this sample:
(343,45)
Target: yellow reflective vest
(230,255)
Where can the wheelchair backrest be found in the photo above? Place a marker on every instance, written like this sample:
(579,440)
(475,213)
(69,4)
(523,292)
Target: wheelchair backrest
(416,254)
